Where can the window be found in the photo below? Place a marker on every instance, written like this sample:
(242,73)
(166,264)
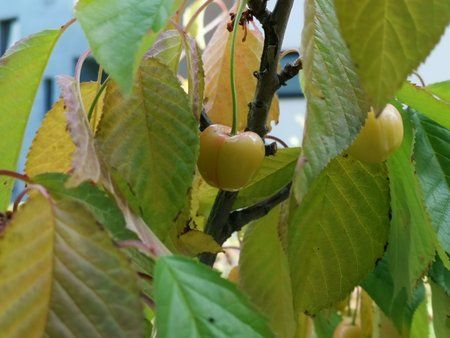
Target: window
(89,72)
(48,94)
(8,34)
(292,88)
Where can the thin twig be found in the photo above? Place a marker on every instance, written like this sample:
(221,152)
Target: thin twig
(289,71)
(242,217)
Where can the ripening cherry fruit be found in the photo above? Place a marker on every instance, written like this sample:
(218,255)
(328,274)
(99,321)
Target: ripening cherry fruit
(347,330)
(233,276)
(380,137)
(229,162)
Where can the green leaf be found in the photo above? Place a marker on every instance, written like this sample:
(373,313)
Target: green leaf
(336,105)
(388,39)
(167,49)
(412,241)
(21,69)
(325,324)
(338,232)
(194,301)
(275,173)
(440,275)
(264,274)
(151,140)
(423,101)
(420,322)
(120,32)
(380,286)
(106,212)
(62,276)
(432,156)
(92,198)
(441,90)
(441,311)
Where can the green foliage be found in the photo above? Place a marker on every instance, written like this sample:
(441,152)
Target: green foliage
(275,173)
(92,198)
(441,90)
(431,154)
(151,140)
(325,323)
(80,281)
(388,39)
(341,227)
(127,178)
(420,322)
(167,49)
(21,69)
(422,100)
(120,32)
(264,274)
(411,239)
(440,275)
(441,311)
(380,286)
(336,105)
(194,301)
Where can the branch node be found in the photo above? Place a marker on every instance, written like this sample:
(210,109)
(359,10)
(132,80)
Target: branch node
(271,149)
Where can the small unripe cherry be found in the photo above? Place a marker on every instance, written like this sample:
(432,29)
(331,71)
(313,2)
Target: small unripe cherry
(380,136)
(229,162)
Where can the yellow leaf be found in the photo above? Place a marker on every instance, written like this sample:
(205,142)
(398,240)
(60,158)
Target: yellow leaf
(197,242)
(216,59)
(52,147)
(26,263)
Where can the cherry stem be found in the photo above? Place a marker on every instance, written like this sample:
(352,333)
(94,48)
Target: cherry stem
(20,198)
(237,19)
(422,82)
(279,140)
(78,68)
(94,103)
(15,175)
(197,13)
(99,85)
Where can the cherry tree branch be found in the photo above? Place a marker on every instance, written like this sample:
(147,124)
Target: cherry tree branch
(274,25)
(289,71)
(242,217)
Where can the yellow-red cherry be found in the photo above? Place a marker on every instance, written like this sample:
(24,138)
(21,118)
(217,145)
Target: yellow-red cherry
(229,162)
(380,136)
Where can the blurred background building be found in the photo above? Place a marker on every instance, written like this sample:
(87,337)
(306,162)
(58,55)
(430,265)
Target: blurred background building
(20,18)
